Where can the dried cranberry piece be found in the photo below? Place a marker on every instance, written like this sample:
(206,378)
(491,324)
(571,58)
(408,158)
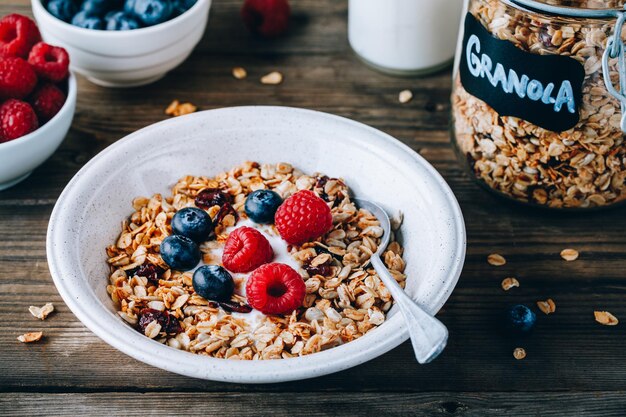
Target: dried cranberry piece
(321,181)
(210,197)
(150,271)
(225,209)
(235,307)
(323,270)
(169,323)
(546,39)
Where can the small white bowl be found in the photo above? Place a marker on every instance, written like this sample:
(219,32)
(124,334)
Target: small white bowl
(88,213)
(126,58)
(19,157)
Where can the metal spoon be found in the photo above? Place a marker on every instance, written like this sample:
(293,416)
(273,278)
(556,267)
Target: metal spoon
(428,335)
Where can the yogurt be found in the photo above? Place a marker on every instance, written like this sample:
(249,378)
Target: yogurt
(281,255)
(404,36)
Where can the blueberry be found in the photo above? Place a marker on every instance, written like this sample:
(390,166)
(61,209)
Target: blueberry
(180,252)
(213,282)
(519,320)
(261,205)
(193,223)
(121,21)
(181,6)
(62,9)
(151,12)
(86,21)
(99,7)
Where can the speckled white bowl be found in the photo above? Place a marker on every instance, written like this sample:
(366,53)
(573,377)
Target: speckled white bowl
(87,216)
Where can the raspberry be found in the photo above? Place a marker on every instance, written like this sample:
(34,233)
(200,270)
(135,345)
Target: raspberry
(275,289)
(303,217)
(246,249)
(17,78)
(49,62)
(47,100)
(17,119)
(18,34)
(268,18)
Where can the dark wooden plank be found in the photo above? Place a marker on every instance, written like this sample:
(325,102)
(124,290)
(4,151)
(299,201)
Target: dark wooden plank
(500,404)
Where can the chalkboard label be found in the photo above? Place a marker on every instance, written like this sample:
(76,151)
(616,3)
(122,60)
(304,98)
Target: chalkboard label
(545,90)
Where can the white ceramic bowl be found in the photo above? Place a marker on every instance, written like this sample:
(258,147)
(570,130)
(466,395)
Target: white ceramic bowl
(126,58)
(87,216)
(19,157)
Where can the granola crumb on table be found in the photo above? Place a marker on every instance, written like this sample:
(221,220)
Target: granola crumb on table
(344,300)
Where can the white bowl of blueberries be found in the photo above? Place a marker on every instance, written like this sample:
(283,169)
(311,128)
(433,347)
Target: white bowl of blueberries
(123,43)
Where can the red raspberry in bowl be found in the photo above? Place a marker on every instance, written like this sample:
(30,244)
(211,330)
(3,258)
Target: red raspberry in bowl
(303,217)
(49,62)
(275,289)
(47,100)
(17,78)
(17,119)
(246,249)
(18,34)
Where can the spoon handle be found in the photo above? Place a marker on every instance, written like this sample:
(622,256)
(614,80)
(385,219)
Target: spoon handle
(428,335)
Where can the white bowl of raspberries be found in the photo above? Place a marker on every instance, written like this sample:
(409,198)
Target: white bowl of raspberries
(37,98)
(123,43)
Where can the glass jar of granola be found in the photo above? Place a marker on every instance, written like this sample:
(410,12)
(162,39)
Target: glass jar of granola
(537,111)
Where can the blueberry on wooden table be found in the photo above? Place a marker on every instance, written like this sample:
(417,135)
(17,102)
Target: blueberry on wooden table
(261,205)
(213,282)
(193,223)
(519,320)
(180,252)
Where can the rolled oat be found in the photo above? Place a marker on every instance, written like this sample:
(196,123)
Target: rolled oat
(41,312)
(30,337)
(605,318)
(508,283)
(496,259)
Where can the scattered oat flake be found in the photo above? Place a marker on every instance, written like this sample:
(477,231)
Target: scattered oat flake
(496,259)
(30,337)
(605,318)
(547,307)
(519,353)
(240,73)
(569,254)
(177,108)
(508,283)
(405,96)
(273,78)
(41,312)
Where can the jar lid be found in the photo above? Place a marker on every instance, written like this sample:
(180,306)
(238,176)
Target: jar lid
(575,8)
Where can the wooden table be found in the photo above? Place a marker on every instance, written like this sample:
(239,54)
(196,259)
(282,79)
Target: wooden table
(574,365)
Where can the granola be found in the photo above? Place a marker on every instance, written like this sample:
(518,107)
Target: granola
(579,168)
(344,297)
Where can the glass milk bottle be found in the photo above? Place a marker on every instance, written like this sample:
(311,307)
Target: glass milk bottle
(404,37)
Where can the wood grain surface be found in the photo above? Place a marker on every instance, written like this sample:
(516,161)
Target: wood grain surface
(574,366)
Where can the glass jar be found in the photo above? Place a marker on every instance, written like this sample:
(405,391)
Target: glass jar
(537,113)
